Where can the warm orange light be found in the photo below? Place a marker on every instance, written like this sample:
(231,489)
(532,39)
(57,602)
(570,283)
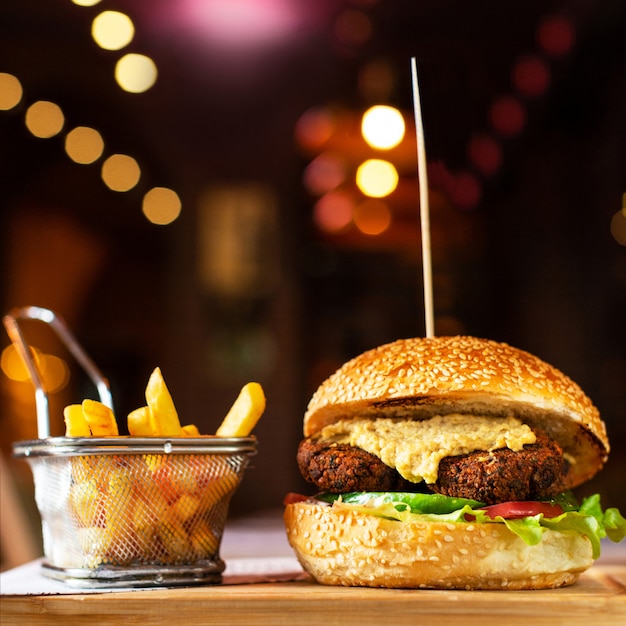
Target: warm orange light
(314,128)
(376,178)
(13,364)
(112,30)
(325,173)
(53,370)
(161,205)
(383,127)
(84,145)
(135,73)
(333,212)
(120,172)
(618,224)
(10,91)
(372,217)
(44,119)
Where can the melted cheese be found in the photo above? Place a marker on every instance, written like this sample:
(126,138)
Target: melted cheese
(415,447)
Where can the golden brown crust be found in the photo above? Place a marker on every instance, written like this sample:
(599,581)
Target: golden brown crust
(422,377)
(340,546)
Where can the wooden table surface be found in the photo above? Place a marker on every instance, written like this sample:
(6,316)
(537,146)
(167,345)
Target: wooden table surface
(598,598)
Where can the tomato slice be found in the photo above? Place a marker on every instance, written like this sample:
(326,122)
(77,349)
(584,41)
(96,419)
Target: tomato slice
(515,510)
(292,498)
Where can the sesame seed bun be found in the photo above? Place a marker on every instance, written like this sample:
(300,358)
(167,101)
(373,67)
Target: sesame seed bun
(423,377)
(338,546)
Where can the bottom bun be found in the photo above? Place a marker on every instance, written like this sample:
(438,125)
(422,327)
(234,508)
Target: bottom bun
(340,546)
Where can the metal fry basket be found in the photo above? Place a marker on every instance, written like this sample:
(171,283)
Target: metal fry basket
(127,511)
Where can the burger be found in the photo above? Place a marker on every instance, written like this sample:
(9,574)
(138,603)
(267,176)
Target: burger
(449,463)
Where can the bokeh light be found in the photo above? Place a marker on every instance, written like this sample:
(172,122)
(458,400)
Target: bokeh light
(376,81)
(84,145)
(55,373)
(383,127)
(161,205)
(53,370)
(10,91)
(352,27)
(86,3)
(465,191)
(120,172)
(531,76)
(135,73)
(112,30)
(372,217)
(507,116)
(376,178)
(13,364)
(556,35)
(618,224)
(333,212)
(314,128)
(44,119)
(325,173)
(485,153)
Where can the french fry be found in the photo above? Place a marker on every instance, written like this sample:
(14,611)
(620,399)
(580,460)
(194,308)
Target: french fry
(173,537)
(145,524)
(119,515)
(165,422)
(94,543)
(216,489)
(204,542)
(140,423)
(191,430)
(181,478)
(244,413)
(85,501)
(75,423)
(100,418)
(88,467)
(186,506)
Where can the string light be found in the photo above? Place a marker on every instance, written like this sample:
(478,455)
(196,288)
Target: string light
(121,172)
(161,205)
(112,30)
(44,119)
(135,73)
(10,91)
(84,145)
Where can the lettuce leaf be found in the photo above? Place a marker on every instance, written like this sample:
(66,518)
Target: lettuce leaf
(416,502)
(588,519)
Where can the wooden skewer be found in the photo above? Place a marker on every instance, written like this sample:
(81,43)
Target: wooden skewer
(422,174)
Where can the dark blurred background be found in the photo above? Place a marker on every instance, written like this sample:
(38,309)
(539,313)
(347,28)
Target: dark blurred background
(254,122)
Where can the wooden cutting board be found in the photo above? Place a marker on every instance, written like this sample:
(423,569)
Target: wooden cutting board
(597,599)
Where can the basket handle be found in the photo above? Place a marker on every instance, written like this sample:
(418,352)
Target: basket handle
(57,323)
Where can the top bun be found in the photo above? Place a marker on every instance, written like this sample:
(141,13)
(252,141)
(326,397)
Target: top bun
(423,377)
